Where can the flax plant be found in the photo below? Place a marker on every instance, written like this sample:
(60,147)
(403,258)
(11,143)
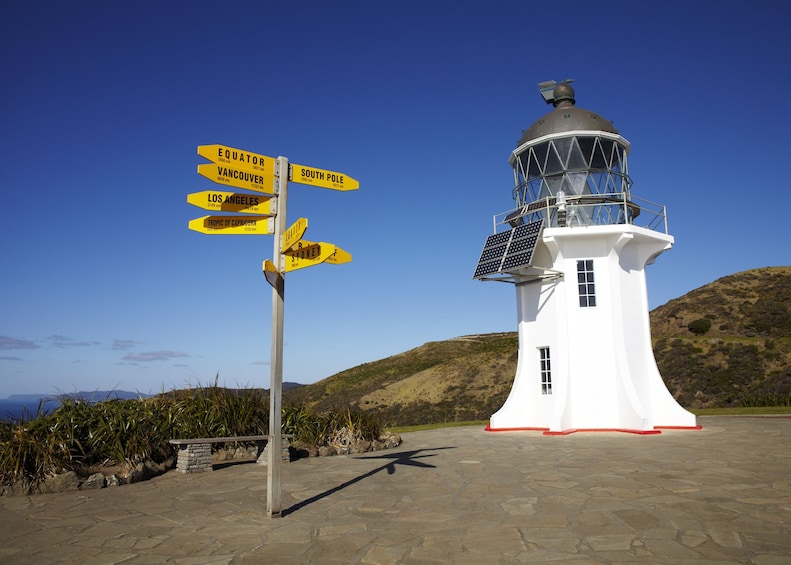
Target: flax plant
(81,433)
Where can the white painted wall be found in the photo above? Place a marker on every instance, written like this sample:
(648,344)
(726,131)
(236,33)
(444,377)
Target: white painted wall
(604,375)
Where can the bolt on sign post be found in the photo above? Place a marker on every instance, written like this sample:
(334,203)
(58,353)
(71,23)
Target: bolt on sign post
(269,177)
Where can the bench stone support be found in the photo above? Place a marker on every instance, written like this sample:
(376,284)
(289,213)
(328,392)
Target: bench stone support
(194,455)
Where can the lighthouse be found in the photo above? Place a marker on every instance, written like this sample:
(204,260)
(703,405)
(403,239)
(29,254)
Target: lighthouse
(575,247)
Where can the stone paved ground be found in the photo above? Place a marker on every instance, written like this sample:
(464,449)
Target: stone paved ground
(458,495)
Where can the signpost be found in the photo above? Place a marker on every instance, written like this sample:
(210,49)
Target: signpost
(262,174)
(218,201)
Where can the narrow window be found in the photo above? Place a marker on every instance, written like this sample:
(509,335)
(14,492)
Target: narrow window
(546,370)
(585,283)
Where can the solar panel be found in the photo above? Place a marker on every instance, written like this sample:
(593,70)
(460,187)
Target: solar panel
(507,251)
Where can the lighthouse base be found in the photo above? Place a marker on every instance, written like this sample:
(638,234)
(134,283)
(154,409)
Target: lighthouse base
(585,357)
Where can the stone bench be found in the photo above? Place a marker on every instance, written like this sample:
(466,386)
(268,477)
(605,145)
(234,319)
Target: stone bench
(194,454)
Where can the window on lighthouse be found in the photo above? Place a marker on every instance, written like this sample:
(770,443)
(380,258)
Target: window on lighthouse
(585,283)
(546,370)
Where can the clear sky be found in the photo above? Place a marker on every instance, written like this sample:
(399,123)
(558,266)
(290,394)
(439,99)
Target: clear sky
(103,104)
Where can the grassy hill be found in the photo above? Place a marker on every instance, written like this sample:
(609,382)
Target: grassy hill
(466,378)
(725,344)
(745,354)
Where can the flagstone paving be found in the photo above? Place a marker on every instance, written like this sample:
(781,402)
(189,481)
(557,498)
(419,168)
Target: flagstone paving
(456,495)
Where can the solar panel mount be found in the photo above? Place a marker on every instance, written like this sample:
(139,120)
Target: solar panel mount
(507,251)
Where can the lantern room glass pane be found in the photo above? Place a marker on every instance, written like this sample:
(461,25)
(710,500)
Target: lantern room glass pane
(576,161)
(554,164)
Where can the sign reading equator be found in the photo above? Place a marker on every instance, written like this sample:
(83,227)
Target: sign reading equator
(322,178)
(237,158)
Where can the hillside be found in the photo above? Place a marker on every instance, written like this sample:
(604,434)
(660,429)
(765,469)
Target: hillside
(465,378)
(744,356)
(738,351)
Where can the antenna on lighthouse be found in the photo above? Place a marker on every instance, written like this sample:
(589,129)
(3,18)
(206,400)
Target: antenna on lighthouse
(547,87)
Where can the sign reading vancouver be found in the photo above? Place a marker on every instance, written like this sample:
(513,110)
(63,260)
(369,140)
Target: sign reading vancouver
(250,180)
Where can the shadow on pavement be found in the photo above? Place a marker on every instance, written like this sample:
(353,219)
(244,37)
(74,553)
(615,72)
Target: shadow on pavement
(400,458)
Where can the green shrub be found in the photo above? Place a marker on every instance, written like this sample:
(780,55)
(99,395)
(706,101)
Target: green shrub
(700,326)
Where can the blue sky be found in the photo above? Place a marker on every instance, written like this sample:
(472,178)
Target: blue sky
(103,105)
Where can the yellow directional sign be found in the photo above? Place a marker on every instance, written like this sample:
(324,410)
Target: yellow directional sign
(251,180)
(340,256)
(271,273)
(293,234)
(319,177)
(233,202)
(232,225)
(308,254)
(238,158)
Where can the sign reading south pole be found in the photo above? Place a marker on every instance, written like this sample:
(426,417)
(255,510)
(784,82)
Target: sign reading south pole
(322,178)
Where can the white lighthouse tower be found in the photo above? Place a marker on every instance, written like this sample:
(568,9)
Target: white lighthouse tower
(575,247)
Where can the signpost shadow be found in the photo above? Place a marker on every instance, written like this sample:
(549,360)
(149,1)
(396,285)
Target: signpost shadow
(400,458)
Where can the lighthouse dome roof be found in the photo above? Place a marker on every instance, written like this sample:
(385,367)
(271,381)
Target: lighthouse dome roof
(565,117)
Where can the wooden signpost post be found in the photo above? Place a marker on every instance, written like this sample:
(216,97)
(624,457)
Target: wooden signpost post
(269,177)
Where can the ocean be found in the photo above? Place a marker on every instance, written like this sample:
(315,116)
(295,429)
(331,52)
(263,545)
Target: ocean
(12,410)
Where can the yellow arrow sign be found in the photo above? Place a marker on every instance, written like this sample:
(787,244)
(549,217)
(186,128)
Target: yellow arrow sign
(231,225)
(293,234)
(239,178)
(238,158)
(339,256)
(319,177)
(308,254)
(233,202)
(271,273)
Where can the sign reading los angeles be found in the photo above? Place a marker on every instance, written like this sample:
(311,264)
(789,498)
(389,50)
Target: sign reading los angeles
(218,201)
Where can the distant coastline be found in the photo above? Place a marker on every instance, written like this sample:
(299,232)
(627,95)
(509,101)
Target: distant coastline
(12,410)
(27,406)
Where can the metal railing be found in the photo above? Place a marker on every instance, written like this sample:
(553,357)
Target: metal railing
(588,210)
